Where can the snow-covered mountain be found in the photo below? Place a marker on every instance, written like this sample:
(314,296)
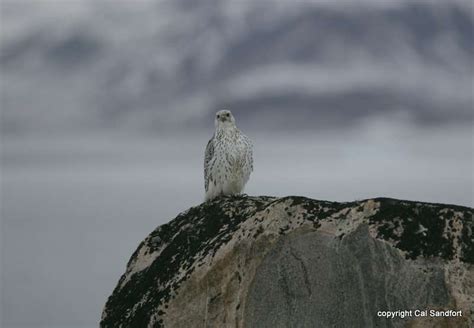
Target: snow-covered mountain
(69,65)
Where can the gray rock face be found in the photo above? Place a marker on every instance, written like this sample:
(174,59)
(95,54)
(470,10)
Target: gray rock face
(354,277)
(296,262)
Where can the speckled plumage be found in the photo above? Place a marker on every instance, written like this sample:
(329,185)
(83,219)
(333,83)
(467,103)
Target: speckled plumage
(228,159)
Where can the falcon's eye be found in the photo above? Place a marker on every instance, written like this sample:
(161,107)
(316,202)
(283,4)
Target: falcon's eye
(218,116)
(227,114)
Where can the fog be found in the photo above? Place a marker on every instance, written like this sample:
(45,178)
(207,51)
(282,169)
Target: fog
(105,120)
(75,210)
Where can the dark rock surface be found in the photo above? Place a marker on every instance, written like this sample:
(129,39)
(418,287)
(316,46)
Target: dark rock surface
(296,262)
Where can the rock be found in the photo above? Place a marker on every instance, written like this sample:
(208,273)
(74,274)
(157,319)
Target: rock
(296,262)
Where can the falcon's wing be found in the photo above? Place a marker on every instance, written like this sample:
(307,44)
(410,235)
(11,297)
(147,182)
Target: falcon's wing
(249,152)
(208,154)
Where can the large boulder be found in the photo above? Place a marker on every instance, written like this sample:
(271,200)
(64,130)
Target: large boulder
(296,262)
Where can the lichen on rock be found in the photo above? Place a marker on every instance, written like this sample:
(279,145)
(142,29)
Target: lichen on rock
(241,261)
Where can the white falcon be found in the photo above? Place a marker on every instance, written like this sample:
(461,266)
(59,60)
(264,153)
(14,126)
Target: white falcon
(228,158)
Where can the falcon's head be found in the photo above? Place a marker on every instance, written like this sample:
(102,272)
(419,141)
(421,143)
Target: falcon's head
(224,119)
